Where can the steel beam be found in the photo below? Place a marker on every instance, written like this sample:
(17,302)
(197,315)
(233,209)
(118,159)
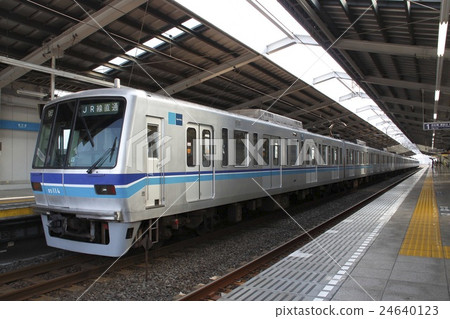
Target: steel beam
(68,38)
(270,97)
(211,73)
(417,51)
(30,66)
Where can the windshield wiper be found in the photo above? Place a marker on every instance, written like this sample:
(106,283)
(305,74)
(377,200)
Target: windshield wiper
(103,158)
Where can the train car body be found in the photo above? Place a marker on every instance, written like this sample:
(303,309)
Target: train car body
(110,163)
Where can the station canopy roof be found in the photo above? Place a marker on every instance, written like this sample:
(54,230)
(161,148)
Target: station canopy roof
(160,46)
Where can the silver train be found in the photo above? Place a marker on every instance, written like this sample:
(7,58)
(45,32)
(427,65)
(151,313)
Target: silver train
(111,163)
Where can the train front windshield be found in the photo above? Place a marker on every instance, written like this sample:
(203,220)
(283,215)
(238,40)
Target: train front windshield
(80,134)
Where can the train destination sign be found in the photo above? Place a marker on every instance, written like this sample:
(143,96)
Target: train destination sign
(436,126)
(99,108)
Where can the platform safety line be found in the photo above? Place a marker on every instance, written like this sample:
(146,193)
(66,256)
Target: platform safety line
(423,237)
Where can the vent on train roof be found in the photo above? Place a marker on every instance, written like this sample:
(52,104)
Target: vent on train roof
(267,116)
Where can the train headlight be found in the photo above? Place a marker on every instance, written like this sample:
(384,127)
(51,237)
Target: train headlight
(105,189)
(36,186)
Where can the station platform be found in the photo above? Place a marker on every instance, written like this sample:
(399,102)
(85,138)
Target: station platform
(395,248)
(16,203)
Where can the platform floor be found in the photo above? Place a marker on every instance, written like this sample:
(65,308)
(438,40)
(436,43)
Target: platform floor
(395,248)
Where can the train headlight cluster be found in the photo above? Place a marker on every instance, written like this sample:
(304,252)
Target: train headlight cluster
(105,189)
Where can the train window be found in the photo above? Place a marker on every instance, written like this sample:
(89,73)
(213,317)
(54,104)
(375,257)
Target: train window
(307,155)
(152,139)
(224,147)
(60,135)
(300,154)
(292,152)
(190,146)
(265,151)
(334,159)
(44,137)
(241,140)
(255,149)
(206,148)
(313,155)
(276,152)
(329,155)
(324,155)
(319,151)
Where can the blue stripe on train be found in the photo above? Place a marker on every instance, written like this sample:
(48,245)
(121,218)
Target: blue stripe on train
(138,181)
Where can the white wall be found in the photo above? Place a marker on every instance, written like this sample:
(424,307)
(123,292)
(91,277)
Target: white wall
(17,146)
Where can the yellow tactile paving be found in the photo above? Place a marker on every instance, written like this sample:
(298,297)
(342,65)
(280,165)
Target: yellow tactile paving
(423,237)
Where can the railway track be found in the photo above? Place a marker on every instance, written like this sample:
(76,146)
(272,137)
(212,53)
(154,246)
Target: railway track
(228,282)
(36,280)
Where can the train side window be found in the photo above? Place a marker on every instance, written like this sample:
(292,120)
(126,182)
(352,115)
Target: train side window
(206,148)
(307,155)
(255,149)
(301,154)
(330,159)
(224,147)
(321,158)
(292,152)
(276,152)
(334,159)
(241,140)
(265,151)
(152,140)
(190,146)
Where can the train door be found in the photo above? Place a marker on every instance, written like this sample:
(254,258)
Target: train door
(54,178)
(199,162)
(266,155)
(155,169)
(310,155)
(272,161)
(276,162)
(334,163)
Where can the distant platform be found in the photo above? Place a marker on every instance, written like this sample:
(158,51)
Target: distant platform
(16,203)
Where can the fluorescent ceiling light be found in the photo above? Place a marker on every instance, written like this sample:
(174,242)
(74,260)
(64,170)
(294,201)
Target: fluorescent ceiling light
(434,116)
(437,94)
(442,38)
(31,93)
